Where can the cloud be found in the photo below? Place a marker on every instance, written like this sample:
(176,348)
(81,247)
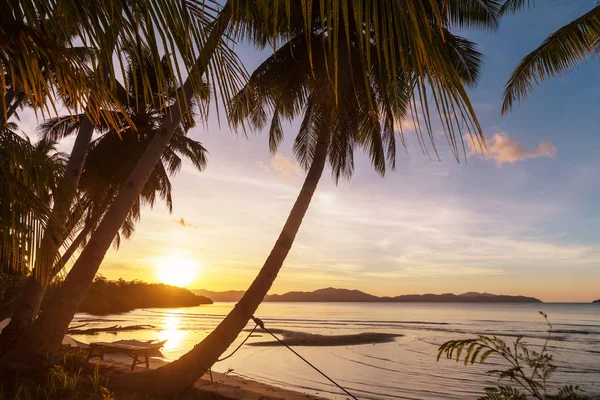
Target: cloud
(185,224)
(286,168)
(501,149)
(436,272)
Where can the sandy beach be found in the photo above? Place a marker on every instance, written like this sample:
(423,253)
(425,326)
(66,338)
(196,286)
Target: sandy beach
(223,386)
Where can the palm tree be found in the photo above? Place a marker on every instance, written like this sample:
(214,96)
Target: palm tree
(33,170)
(111,157)
(564,49)
(29,175)
(45,334)
(412,39)
(38,36)
(296,82)
(46,41)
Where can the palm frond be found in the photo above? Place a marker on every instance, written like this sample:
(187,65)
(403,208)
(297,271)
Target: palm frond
(475,13)
(38,36)
(561,51)
(512,6)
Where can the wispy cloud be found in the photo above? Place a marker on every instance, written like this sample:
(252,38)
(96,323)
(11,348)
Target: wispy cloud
(286,168)
(185,224)
(436,272)
(502,149)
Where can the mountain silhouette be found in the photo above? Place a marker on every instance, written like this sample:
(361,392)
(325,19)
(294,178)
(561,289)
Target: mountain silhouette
(333,295)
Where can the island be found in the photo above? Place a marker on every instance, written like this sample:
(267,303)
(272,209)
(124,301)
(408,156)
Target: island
(329,295)
(113,297)
(596,301)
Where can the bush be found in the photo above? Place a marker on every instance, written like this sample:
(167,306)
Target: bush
(527,372)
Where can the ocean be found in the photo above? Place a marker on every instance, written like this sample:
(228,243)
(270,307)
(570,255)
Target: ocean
(403,369)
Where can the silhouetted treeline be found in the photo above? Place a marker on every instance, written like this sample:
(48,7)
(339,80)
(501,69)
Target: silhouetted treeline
(111,297)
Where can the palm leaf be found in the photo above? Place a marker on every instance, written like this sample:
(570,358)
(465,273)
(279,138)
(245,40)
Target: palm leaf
(561,51)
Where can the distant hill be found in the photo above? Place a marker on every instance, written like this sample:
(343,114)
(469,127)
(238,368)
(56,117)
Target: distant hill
(596,301)
(325,295)
(229,295)
(112,297)
(356,296)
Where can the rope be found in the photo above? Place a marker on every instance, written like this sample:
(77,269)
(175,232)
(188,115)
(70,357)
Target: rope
(233,352)
(240,345)
(258,322)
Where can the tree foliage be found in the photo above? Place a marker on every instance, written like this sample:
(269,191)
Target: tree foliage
(528,370)
(112,297)
(29,175)
(53,50)
(564,49)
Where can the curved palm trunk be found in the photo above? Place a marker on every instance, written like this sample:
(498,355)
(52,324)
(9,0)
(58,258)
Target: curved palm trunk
(190,367)
(30,300)
(48,329)
(29,303)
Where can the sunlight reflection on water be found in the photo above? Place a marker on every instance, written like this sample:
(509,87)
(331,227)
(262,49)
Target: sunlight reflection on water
(405,368)
(172,332)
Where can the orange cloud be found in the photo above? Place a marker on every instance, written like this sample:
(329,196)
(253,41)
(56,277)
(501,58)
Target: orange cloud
(501,149)
(286,168)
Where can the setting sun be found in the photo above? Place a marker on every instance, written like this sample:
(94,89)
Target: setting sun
(176,271)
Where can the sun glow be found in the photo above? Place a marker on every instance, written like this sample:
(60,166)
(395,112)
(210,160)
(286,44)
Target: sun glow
(176,271)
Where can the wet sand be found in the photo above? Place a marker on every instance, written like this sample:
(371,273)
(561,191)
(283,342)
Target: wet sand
(295,338)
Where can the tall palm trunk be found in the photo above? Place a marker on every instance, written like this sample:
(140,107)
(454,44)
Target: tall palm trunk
(190,367)
(30,300)
(49,328)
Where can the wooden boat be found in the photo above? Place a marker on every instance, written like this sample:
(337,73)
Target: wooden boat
(153,346)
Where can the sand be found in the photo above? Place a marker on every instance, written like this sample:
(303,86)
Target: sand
(223,387)
(295,338)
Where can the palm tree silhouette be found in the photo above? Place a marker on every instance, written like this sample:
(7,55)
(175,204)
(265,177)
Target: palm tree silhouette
(563,50)
(363,113)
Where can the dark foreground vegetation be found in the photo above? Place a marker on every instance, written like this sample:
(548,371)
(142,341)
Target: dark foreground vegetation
(523,371)
(111,297)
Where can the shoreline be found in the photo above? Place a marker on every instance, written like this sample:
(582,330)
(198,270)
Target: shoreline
(224,386)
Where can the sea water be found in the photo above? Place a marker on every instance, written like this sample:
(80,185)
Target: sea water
(403,369)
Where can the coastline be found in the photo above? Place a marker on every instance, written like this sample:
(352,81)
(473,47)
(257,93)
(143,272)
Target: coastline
(224,386)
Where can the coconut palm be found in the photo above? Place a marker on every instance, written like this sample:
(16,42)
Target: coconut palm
(45,45)
(563,50)
(111,157)
(412,38)
(46,333)
(362,114)
(37,36)
(28,179)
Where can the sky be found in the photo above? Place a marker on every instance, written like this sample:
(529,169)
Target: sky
(522,218)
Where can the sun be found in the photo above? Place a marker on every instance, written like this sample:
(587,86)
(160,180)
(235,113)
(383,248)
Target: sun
(176,271)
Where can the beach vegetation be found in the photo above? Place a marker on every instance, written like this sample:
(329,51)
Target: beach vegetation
(113,297)
(528,368)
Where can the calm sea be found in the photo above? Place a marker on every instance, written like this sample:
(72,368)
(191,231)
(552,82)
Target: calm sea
(403,369)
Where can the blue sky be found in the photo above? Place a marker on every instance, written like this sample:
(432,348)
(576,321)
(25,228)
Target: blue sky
(520,219)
